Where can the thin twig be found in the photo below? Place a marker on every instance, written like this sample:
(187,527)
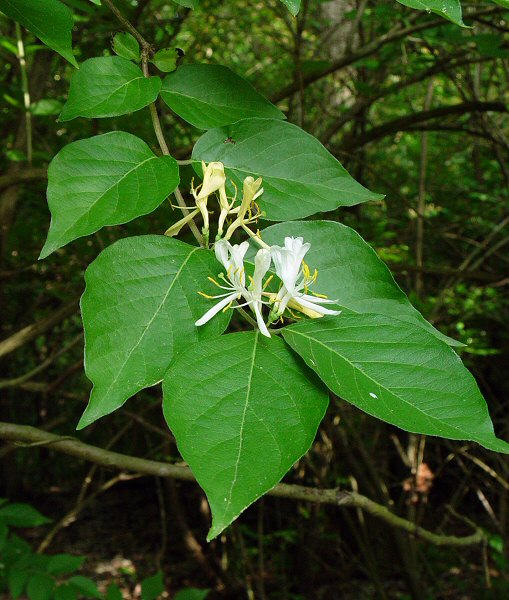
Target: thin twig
(146,50)
(26,92)
(113,460)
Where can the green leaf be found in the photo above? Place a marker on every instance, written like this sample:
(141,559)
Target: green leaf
(85,586)
(104,180)
(152,587)
(108,86)
(210,96)
(504,3)
(22,515)
(449,9)
(46,107)
(350,271)
(139,308)
(50,20)
(64,563)
(243,411)
(398,373)
(166,60)
(113,592)
(126,45)
(292,5)
(16,582)
(40,587)
(65,592)
(300,177)
(188,3)
(191,594)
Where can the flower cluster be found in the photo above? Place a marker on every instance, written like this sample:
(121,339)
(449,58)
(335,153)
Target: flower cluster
(290,268)
(214,182)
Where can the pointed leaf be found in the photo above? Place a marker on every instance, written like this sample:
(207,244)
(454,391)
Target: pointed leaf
(166,60)
(210,96)
(104,180)
(40,587)
(22,515)
(108,86)
(50,20)
(139,308)
(126,45)
(350,271)
(300,177)
(243,411)
(292,5)
(152,587)
(64,563)
(449,9)
(398,373)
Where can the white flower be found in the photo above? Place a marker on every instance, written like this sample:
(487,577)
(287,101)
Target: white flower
(295,275)
(232,258)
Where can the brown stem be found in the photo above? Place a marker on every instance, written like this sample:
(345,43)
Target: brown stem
(146,49)
(23,434)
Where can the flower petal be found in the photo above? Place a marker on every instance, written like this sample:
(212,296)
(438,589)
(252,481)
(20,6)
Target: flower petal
(215,309)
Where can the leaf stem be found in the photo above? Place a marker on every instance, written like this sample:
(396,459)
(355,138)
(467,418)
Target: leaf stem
(146,49)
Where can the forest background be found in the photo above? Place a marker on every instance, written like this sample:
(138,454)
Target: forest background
(415,108)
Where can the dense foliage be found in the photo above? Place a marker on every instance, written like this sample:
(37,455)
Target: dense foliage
(412,104)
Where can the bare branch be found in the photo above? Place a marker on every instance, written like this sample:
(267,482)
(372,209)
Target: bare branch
(113,460)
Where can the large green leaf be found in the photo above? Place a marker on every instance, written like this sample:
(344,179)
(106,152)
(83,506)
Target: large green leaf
(50,20)
(397,372)
(104,180)
(108,86)
(139,308)
(449,9)
(350,271)
(300,177)
(210,96)
(504,3)
(242,411)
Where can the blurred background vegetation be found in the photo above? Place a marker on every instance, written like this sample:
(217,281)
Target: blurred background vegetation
(415,108)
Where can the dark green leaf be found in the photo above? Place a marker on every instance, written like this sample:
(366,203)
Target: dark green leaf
(300,177)
(350,271)
(16,582)
(139,308)
(105,180)
(40,587)
(85,586)
(191,594)
(65,592)
(243,411)
(152,587)
(125,45)
(188,3)
(113,592)
(397,372)
(449,9)
(210,96)
(64,563)
(22,515)
(50,20)
(108,86)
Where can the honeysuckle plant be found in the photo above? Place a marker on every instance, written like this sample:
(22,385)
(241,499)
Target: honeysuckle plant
(319,312)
